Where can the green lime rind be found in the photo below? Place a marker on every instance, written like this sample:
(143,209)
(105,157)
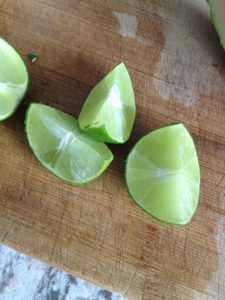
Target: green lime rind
(14,80)
(109,112)
(60,146)
(216,13)
(100,135)
(166,186)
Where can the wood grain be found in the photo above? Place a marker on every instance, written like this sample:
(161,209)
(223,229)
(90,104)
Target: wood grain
(96,231)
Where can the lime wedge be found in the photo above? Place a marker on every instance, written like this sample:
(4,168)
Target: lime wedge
(62,148)
(217,12)
(13,80)
(163,175)
(109,112)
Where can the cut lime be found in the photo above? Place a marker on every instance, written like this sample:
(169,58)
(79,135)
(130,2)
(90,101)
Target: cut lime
(109,112)
(163,175)
(13,80)
(217,11)
(62,148)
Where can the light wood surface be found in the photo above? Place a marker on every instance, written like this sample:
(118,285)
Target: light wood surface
(96,231)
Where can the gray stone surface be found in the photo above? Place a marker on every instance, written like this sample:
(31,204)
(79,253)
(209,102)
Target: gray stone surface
(25,278)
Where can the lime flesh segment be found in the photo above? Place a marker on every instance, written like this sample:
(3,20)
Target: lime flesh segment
(217,12)
(13,80)
(163,175)
(62,148)
(109,112)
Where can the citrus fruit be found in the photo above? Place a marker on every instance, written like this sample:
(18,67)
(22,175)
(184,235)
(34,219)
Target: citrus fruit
(217,11)
(13,80)
(109,112)
(163,176)
(62,148)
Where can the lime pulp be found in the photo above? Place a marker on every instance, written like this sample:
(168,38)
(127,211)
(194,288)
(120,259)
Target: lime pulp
(62,148)
(163,175)
(13,80)
(109,112)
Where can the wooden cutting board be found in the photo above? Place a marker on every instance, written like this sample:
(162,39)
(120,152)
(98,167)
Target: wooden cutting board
(96,231)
